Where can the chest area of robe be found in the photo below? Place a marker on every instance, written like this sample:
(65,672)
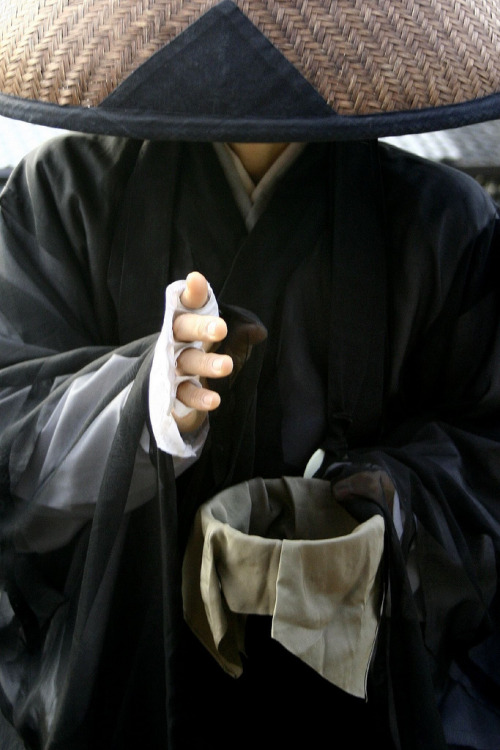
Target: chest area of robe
(288,270)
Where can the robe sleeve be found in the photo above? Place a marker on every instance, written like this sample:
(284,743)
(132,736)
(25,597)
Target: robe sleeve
(441,451)
(65,379)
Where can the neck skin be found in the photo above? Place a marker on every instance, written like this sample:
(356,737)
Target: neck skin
(257,158)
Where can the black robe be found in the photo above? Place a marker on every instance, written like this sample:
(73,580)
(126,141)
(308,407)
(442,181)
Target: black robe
(376,276)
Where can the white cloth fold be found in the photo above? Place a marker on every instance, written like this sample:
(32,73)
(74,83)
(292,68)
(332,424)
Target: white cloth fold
(285,548)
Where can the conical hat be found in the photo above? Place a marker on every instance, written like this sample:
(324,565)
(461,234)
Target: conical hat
(250,70)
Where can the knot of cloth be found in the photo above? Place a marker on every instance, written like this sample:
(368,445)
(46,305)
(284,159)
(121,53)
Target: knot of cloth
(286,548)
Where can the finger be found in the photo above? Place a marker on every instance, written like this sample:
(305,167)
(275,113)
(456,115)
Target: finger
(200,399)
(240,341)
(195,294)
(196,362)
(190,422)
(193,327)
(375,485)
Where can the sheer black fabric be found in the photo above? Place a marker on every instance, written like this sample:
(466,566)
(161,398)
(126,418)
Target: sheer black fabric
(376,276)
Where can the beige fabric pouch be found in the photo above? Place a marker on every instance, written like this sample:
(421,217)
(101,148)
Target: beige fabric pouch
(286,548)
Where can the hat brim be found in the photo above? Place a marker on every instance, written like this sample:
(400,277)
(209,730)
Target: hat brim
(151,126)
(227,73)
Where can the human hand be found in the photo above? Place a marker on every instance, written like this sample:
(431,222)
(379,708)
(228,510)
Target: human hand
(210,330)
(374,484)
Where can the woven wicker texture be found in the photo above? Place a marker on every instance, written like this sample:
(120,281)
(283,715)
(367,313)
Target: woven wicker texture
(362,56)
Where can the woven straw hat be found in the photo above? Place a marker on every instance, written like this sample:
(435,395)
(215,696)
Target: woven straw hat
(250,69)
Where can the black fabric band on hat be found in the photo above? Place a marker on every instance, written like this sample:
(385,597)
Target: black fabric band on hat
(221,66)
(151,126)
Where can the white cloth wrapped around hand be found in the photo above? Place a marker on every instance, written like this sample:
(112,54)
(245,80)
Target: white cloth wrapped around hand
(164,380)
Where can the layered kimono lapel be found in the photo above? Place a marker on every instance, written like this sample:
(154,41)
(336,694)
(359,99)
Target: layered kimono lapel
(288,230)
(332,197)
(285,235)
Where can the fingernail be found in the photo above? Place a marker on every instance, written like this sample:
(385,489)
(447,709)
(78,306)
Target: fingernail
(207,400)
(211,327)
(217,364)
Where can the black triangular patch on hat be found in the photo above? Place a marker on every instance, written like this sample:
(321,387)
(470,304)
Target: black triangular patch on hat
(220,66)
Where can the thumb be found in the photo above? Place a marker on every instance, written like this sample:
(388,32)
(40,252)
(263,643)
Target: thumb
(195,294)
